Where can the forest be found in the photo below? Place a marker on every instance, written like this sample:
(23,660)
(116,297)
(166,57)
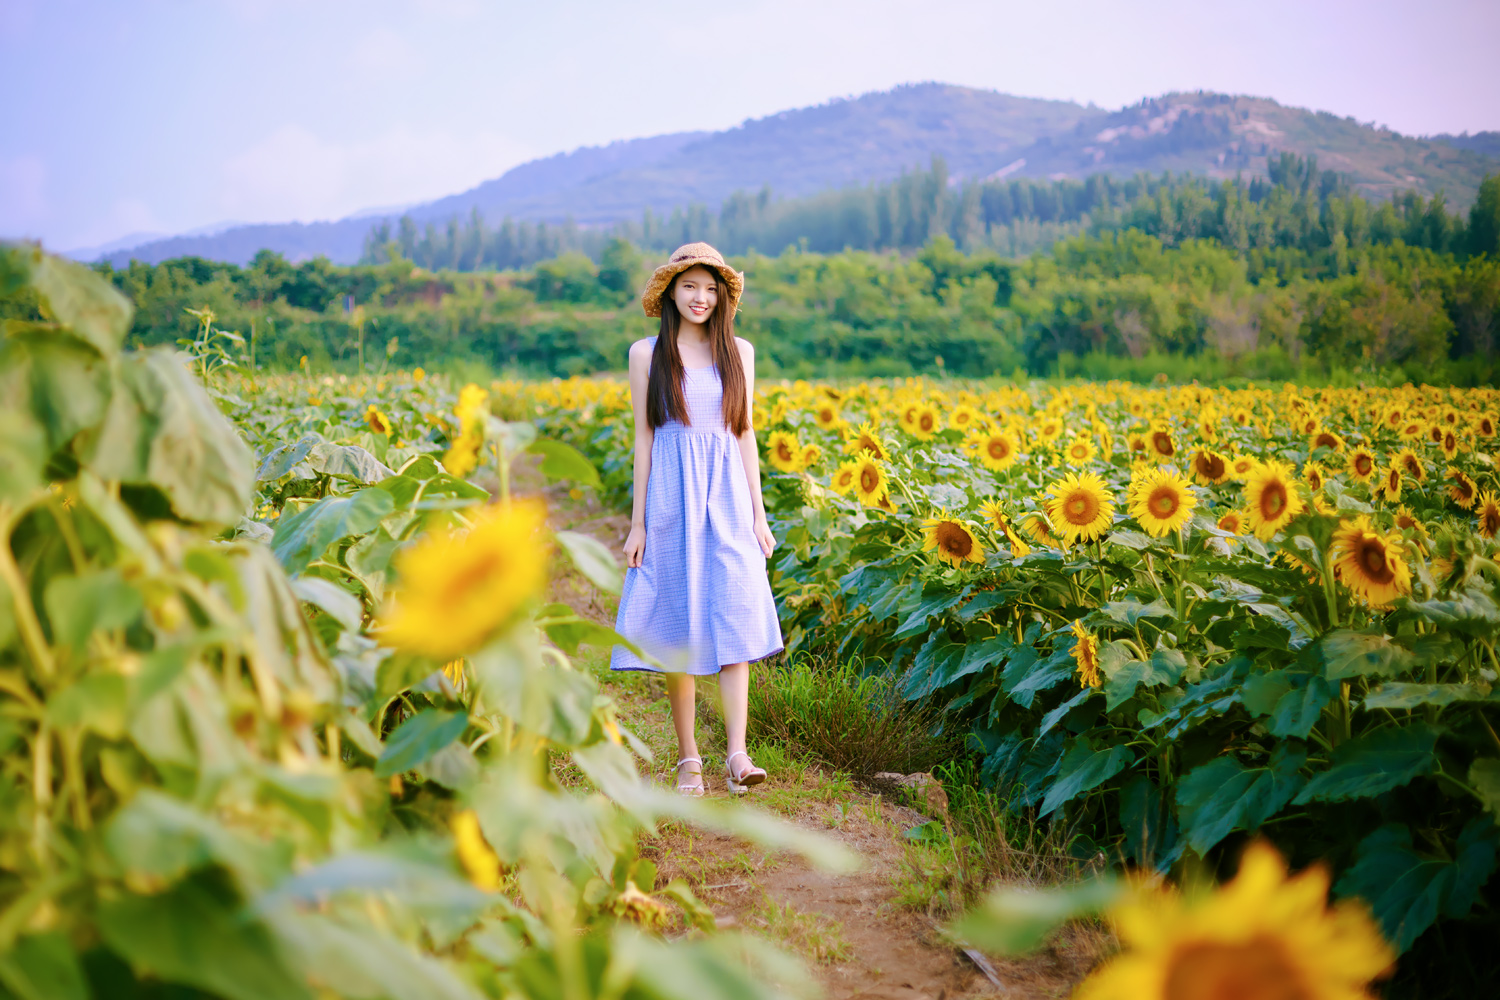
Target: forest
(1295,276)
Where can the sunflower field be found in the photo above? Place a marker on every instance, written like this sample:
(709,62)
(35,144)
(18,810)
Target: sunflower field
(283,711)
(1168,618)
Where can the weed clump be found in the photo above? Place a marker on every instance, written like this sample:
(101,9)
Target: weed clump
(850,721)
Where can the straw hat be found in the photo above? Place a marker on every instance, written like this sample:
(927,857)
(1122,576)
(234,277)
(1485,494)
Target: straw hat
(684,257)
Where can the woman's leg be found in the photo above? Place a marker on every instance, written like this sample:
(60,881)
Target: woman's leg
(734,689)
(680,695)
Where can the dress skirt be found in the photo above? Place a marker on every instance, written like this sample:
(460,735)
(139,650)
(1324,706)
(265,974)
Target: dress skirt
(700,599)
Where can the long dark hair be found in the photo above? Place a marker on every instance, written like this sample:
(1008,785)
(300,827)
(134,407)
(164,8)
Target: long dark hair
(664,399)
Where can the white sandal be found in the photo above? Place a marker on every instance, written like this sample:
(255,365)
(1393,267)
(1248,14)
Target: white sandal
(752,775)
(692,791)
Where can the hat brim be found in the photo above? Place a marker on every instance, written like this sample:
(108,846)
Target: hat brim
(661,279)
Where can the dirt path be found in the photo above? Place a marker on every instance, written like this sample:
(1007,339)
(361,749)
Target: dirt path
(864,934)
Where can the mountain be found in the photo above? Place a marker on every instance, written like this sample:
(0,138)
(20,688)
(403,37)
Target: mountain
(1223,135)
(980,133)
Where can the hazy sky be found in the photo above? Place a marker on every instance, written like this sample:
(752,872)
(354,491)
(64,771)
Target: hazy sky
(164,115)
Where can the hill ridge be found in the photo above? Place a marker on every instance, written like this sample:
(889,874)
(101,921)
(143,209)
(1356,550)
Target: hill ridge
(878,135)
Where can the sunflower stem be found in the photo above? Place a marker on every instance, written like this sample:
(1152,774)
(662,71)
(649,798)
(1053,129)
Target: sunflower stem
(1103,583)
(1330,593)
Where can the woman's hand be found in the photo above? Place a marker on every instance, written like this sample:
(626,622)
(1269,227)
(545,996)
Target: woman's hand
(764,537)
(635,544)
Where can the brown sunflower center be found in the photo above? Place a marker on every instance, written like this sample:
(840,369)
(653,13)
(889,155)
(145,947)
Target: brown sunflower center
(999,448)
(925,421)
(1257,969)
(1210,466)
(1080,451)
(1412,466)
(1325,440)
(1081,508)
(954,540)
(1489,521)
(1273,500)
(1372,556)
(784,451)
(1164,501)
(1314,480)
(869,479)
(1363,464)
(1162,442)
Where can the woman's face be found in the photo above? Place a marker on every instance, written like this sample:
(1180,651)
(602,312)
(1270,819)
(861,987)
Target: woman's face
(696,292)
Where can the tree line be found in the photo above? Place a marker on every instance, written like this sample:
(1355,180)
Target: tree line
(1297,207)
(1291,277)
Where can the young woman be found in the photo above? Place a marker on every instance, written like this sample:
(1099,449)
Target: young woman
(696,595)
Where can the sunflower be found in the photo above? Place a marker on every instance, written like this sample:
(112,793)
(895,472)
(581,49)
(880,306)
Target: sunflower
(1449,444)
(1370,563)
(1261,936)
(1394,418)
(376,420)
(1271,498)
(996,449)
(1435,434)
(870,482)
(1162,501)
(954,542)
(1407,521)
(1391,483)
(1086,655)
(1035,525)
(1488,509)
(1326,439)
(1209,467)
(1412,429)
(1462,490)
(1242,417)
(811,455)
(1081,507)
(1410,464)
(1232,521)
(1485,425)
(1080,450)
(926,422)
(842,481)
(459,588)
(1161,443)
(758,418)
(1363,465)
(994,514)
(784,451)
(866,440)
(1049,430)
(964,418)
(1241,467)
(1136,444)
(1314,475)
(826,415)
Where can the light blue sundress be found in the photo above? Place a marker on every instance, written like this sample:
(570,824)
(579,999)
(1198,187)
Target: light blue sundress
(700,599)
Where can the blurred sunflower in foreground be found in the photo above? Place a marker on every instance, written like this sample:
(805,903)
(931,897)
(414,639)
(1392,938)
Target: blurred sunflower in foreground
(1261,936)
(459,587)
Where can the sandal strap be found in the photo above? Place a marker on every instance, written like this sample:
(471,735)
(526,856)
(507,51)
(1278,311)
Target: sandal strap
(749,770)
(688,760)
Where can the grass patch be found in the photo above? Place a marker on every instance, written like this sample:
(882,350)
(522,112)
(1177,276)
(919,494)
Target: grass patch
(949,864)
(817,937)
(856,724)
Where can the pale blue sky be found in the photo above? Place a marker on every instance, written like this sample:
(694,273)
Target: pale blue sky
(165,115)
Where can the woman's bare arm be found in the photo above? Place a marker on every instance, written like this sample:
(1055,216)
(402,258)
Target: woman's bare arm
(640,373)
(750,453)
